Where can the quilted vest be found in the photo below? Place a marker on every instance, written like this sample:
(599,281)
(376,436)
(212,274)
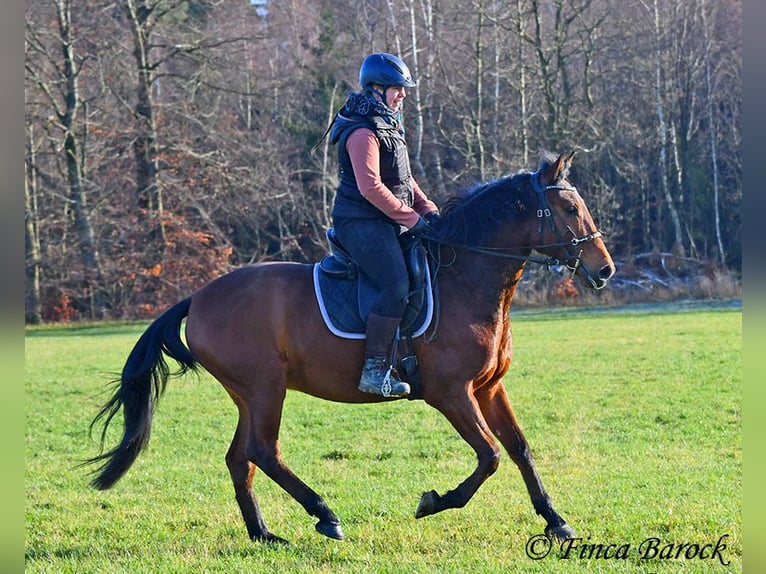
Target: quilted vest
(394,166)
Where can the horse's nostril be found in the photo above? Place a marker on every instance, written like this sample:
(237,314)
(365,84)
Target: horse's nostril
(606,272)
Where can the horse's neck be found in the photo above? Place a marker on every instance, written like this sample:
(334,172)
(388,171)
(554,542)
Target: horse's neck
(489,282)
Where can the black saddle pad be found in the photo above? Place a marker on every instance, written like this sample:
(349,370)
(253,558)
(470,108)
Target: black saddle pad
(345,305)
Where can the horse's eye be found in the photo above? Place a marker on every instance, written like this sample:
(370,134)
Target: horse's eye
(571,209)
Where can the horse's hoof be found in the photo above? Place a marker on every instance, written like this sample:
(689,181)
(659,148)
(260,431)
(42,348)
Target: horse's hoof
(427,505)
(561,532)
(269,538)
(330,529)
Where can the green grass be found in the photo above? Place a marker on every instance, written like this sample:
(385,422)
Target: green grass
(633,418)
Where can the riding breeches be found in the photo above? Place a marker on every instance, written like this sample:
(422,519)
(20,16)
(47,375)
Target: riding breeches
(375,246)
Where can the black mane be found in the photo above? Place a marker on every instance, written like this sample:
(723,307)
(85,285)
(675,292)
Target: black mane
(473,216)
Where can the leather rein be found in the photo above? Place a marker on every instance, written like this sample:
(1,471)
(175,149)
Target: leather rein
(544,215)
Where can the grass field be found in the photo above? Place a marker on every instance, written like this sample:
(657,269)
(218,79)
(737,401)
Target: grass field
(634,418)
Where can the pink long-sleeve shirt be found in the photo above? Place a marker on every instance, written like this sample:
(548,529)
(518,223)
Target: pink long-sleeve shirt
(364,151)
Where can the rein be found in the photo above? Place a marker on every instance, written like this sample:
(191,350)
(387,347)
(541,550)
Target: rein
(544,215)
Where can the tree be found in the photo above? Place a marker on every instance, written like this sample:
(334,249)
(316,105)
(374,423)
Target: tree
(33,266)
(61,90)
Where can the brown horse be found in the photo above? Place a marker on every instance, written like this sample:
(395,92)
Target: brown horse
(258,330)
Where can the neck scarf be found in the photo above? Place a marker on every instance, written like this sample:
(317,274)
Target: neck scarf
(364,104)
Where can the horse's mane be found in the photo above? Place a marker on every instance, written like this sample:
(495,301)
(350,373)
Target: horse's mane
(471,217)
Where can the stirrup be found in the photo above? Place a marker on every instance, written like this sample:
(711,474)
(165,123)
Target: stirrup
(378,378)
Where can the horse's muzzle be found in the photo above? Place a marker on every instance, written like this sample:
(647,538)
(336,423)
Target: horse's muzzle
(599,280)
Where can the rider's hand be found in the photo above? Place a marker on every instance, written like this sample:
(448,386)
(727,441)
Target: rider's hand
(432,217)
(421,227)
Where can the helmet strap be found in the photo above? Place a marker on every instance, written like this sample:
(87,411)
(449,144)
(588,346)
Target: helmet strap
(378,92)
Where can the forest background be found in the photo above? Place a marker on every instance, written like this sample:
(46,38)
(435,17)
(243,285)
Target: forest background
(168,142)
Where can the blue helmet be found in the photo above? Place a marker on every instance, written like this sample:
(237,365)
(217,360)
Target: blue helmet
(385,70)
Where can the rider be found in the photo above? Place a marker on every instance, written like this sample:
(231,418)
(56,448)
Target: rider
(376,202)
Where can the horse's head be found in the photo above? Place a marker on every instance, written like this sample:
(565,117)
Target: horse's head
(541,211)
(565,228)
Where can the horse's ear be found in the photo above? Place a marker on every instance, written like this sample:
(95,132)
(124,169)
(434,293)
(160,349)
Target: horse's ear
(563,164)
(557,169)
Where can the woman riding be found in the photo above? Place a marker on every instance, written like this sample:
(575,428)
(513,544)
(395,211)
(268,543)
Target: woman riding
(377,201)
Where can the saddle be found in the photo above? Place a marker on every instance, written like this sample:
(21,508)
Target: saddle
(345,294)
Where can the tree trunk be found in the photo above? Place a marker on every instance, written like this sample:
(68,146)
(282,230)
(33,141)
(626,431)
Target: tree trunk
(662,132)
(545,70)
(33,264)
(524,129)
(429,120)
(417,148)
(713,135)
(478,115)
(148,191)
(93,274)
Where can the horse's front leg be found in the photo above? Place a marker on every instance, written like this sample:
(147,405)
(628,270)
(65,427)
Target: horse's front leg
(498,412)
(464,414)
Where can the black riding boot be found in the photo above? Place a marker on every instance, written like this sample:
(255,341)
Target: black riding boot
(377,377)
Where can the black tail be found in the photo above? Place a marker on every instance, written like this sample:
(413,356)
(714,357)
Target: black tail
(143,381)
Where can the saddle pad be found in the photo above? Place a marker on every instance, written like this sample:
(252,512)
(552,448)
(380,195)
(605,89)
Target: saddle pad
(345,316)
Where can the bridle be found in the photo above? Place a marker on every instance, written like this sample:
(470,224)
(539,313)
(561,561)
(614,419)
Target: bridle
(572,262)
(544,214)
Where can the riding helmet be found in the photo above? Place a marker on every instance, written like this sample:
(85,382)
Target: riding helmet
(386,70)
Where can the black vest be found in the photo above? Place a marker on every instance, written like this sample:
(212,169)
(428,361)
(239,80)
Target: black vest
(394,165)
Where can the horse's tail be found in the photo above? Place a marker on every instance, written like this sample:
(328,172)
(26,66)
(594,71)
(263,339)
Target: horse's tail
(143,381)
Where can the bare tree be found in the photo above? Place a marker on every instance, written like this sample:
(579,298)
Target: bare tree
(33,265)
(63,96)
(426,70)
(176,140)
(142,17)
(662,127)
(712,125)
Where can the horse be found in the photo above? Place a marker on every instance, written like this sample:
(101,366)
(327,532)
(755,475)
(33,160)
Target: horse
(258,331)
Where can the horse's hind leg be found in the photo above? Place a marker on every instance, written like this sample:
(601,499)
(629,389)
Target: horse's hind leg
(498,412)
(255,445)
(242,471)
(263,450)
